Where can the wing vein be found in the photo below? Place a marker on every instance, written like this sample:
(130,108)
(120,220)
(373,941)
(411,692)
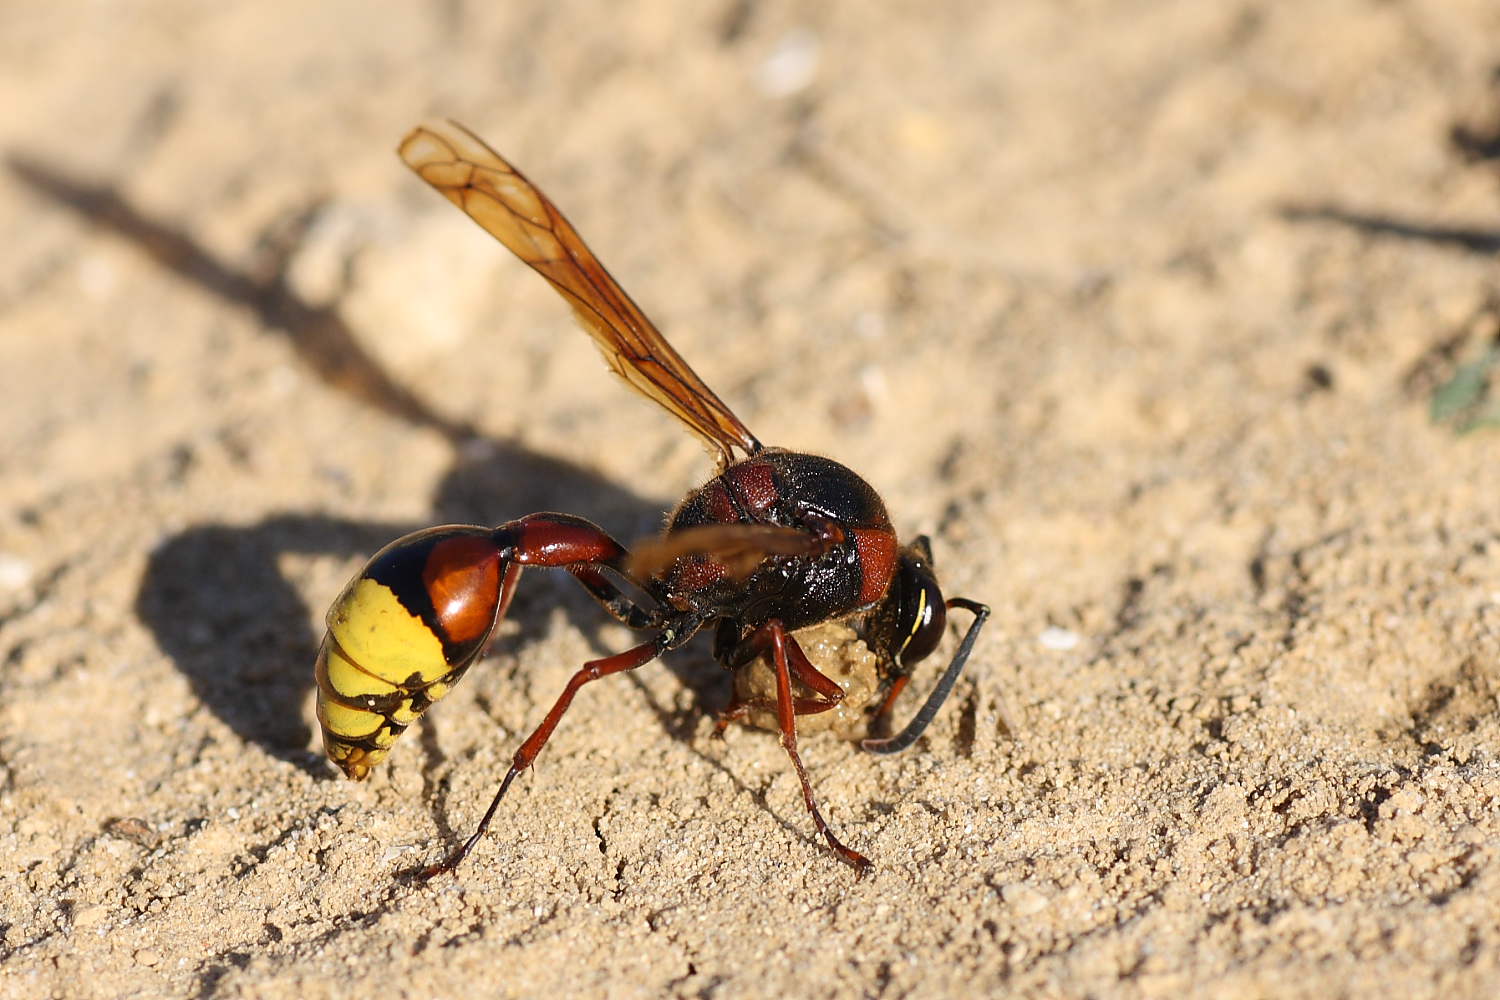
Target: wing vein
(500,199)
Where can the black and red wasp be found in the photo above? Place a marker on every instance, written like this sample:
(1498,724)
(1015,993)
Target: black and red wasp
(776,541)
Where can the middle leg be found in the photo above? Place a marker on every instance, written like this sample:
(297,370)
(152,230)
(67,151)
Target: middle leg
(734,653)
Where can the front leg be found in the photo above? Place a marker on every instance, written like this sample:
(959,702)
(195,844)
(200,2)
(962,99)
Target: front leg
(734,653)
(786,716)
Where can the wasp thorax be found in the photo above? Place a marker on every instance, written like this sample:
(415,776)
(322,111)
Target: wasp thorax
(401,634)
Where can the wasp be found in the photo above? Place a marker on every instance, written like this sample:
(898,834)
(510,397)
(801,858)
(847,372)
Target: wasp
(775,542)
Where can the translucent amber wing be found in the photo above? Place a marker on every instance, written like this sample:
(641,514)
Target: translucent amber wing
(498,197)
(740,548)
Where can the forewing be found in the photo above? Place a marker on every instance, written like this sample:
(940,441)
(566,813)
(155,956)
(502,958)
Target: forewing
(498,197)
(740,548)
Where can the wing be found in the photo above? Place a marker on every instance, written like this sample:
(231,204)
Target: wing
(741,548)
(496,195)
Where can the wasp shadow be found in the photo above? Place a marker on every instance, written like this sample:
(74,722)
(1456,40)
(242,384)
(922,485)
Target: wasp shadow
(1458,392)
(1475,143)
(1472,239)
(218,604)
(214,595)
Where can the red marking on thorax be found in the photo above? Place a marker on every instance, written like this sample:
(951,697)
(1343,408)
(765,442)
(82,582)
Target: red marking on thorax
(754,486)
(877,561)
(720,508)
(695,574)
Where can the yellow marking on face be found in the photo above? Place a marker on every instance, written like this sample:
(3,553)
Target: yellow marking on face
(384,638)
(916,622)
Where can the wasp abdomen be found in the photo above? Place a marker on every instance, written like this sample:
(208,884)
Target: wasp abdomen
(401,634)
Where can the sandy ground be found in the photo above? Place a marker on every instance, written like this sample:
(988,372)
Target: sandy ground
(1139,309)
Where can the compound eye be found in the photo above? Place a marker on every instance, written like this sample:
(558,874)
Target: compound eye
(923,615)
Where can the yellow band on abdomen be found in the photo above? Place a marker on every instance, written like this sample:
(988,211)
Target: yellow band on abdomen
(376,632)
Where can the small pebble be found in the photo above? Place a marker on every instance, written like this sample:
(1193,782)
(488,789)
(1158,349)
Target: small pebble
(1058,639)
(87,917)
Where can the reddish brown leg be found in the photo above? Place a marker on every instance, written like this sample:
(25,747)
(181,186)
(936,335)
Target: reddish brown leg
(590,671)
(787,718)
(507,590)
(735,712)
(739,708)
(890,699)
(828,691)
